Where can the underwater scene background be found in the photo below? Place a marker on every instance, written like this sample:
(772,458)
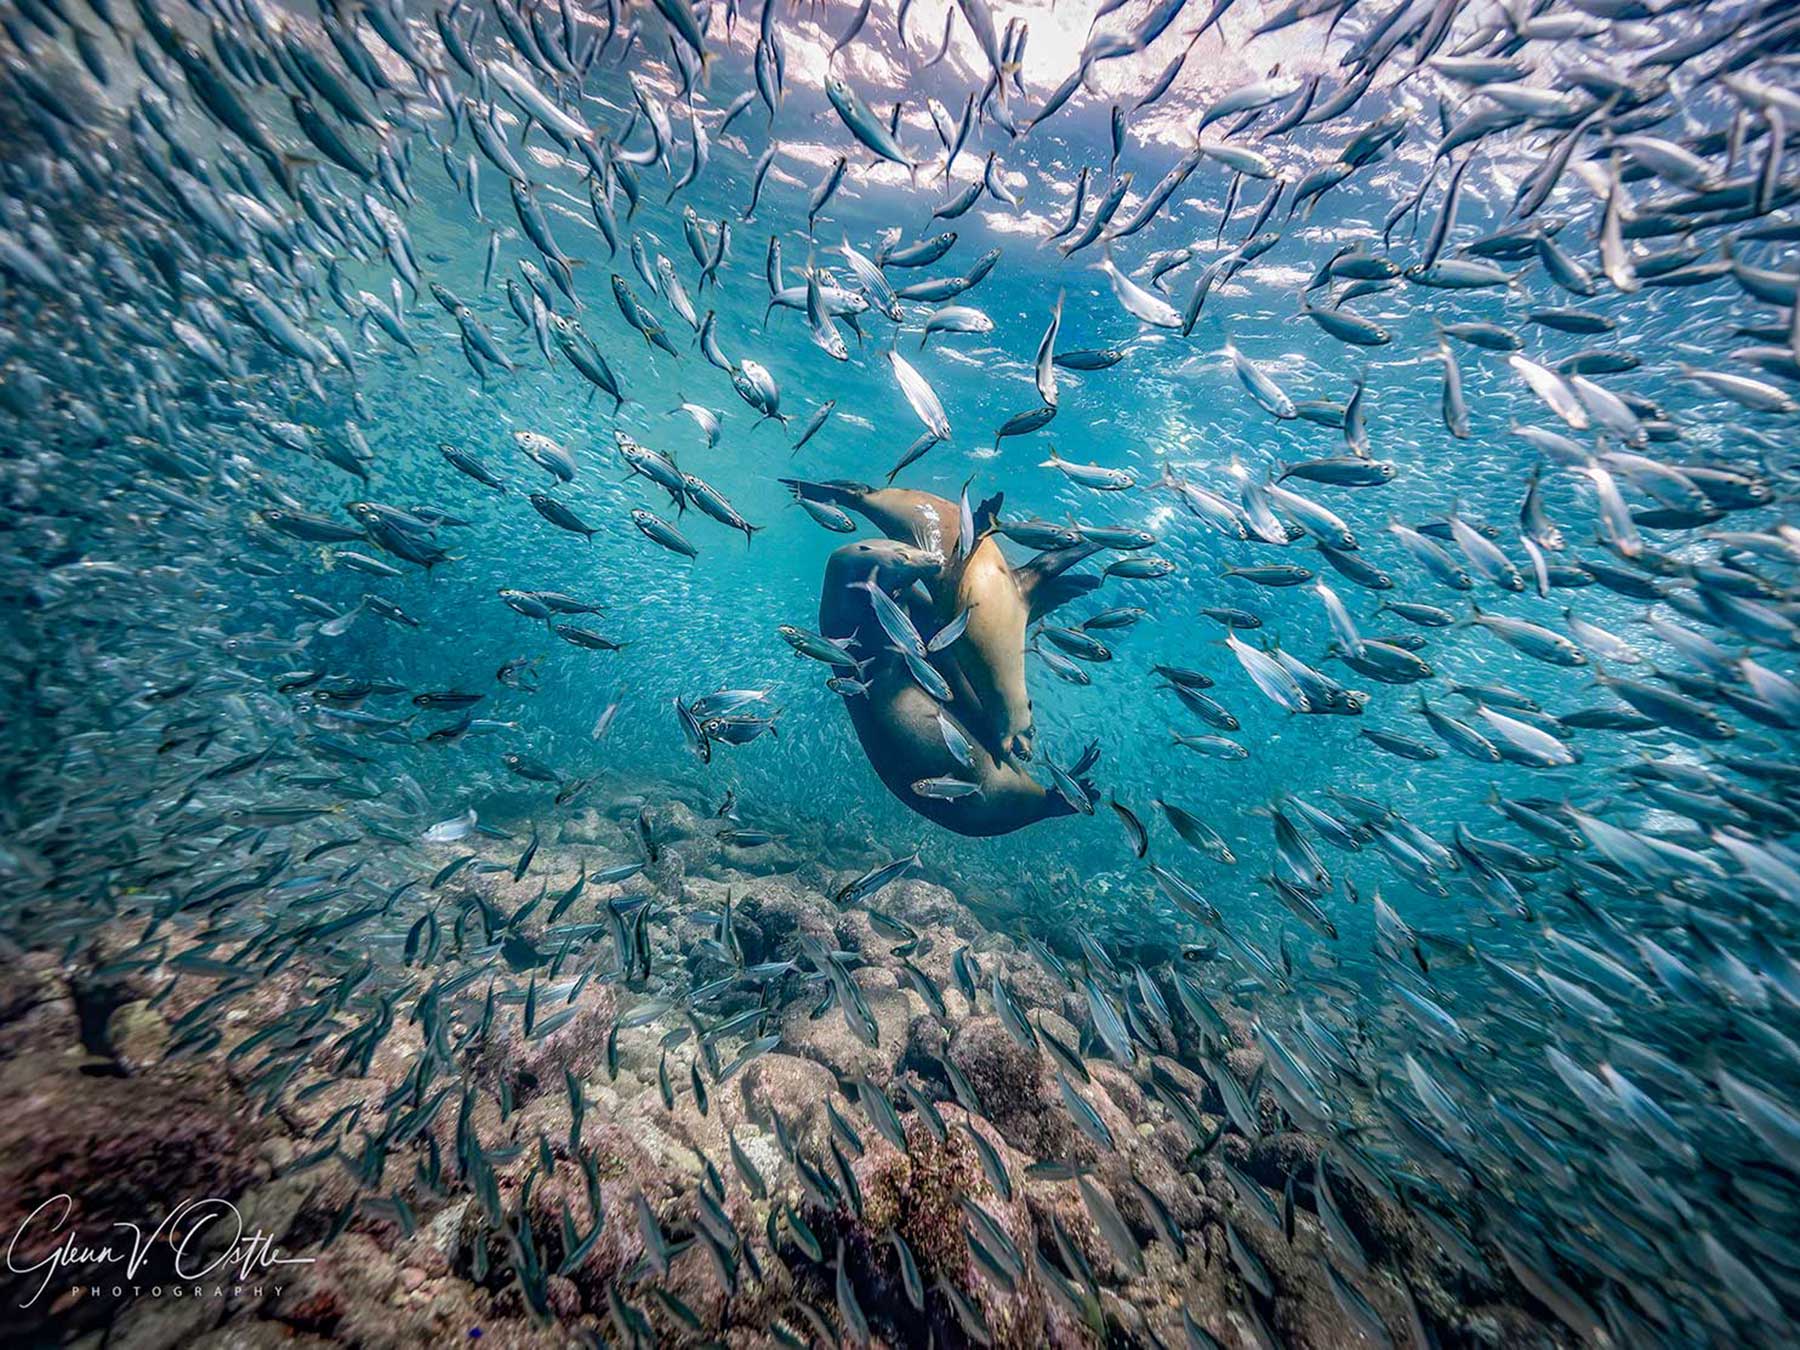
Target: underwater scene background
(429,830)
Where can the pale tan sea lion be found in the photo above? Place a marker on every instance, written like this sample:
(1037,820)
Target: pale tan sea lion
(1002,600)
(897,722)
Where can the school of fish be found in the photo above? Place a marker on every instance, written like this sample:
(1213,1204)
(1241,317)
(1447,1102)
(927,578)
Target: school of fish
(1426,377)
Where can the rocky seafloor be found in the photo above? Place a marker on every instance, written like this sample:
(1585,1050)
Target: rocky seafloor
(96,1109)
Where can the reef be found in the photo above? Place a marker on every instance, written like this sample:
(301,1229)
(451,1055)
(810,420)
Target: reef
(113,1103)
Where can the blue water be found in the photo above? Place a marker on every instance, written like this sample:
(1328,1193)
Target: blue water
(697,626)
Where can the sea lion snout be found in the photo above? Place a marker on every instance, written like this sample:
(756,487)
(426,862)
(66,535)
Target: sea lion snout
(1019,745)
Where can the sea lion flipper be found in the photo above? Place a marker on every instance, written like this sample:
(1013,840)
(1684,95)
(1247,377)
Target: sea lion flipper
(1051,593)
(1047,584)
(986,516)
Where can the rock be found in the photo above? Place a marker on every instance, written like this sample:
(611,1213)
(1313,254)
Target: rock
(184,1128)
(924,905)
(122,1150)
(579,1044)
(1306,1313)
(274,1208)
(674,822)
(927,1042)
(245,1333)
(763,860)
(138,1035)
(831,1042)
(355,1294)
(565,1298)
(927,1195)
(812,874)
(626,1166)
(166,1323)
(1273,1158)
(795,1087)
(784,912)
(590,827)
(1121,1090)
(666,873)
(40,1031)
(272,1155)
(1244,1061)
(32,978)
(1011,1084)
(1031,984)
(1379,1224)
(936,958)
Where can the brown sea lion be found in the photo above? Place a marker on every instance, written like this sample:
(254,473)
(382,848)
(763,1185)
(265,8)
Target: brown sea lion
(1002,600)
(897,722)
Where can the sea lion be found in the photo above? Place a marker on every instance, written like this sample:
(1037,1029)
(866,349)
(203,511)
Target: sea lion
(1002,600)
(897,722)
